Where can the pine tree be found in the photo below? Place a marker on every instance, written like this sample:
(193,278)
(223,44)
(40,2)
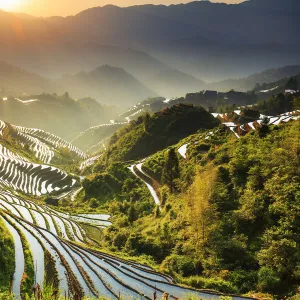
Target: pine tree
(171,169)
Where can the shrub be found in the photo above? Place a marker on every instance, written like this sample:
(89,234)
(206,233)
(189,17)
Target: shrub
(93,203)
(268,281)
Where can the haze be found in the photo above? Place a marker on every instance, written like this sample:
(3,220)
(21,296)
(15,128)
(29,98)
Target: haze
(70,7)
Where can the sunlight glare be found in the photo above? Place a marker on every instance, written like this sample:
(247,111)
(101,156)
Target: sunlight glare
(9,4)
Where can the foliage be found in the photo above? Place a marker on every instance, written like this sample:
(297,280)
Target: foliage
(232,226)
(275,105)
(7,261)
(171,170)
(148,134)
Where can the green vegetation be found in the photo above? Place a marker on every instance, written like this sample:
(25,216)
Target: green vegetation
(277,104)
(147,135)
(230,225)
(11,142)
(171,170)
(28,277)
(229,216)
(7,260)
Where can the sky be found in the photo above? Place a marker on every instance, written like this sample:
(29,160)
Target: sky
(71,7)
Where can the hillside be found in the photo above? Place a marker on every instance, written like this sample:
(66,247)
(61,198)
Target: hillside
(60,115)
(151,133)
(50,248)
(131,227)
(246,185)
(287,83)
(107,84)
(26,155)
(93,137)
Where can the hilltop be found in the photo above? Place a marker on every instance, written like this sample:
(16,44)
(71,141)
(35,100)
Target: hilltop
(151,133)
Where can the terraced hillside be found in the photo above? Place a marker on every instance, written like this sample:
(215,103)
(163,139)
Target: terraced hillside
(54,248)
(38,138)
(47,147)
(61,249)
(25,155)
(242,129)
(58,240)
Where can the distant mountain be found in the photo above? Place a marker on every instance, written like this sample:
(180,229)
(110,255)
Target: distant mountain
(15,80)
(280,86)
(210,41)
(108,84)
(289,6)
(172,83)
(248,83)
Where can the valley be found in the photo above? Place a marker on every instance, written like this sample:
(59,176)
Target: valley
(149,150)
(59,240)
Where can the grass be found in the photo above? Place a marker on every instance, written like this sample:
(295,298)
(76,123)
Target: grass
(28,276)
(7,260)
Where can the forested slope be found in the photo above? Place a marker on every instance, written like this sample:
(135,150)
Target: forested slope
(152,133)
(230,222)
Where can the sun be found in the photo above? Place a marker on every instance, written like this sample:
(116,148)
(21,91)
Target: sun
(9,4)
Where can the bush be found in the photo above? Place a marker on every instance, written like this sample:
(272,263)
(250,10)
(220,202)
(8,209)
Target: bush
(93,203)
(120,240)
(51,201)
(216,284)
(183,265)
(268,281)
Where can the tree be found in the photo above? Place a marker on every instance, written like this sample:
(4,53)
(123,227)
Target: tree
(199,211)
(257,87)
(171,169)
(66,96)
(146,121)
(132,215)
(157,211)
(296,103)
(264,128)
(292,84)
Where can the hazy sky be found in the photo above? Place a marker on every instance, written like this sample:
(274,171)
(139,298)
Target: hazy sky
(70,7)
